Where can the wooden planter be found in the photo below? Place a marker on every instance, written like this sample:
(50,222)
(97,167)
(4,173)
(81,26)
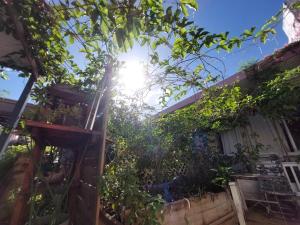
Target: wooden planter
(212,209)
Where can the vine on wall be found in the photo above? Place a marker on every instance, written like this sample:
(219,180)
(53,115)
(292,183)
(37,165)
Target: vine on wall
(275,94)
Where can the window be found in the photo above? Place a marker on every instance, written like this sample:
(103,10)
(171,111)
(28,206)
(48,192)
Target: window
(292,172)
(292,134)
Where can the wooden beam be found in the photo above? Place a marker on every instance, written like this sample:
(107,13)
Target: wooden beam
(237,202)
(242,196)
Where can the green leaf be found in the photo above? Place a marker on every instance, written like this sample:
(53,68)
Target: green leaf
(272,31)
(169,11)
(94,15)
(184,10)
(247,33)
(104,28)
(198,69)
(179,48)
(22,124)
(191,3)
(120,37)
(177,14)
(3,75)
(296,5)
(263,37)
(71,39)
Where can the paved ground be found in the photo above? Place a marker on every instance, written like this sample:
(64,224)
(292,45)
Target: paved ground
(258,217)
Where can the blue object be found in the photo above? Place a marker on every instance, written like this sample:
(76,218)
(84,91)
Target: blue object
(167,194)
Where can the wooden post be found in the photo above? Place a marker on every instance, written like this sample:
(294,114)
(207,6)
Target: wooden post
(16,115)
(102,129)
(242,196)
(237,202)
(20,210)
(73,191)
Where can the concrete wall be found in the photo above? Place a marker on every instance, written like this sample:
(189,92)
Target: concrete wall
(212,209)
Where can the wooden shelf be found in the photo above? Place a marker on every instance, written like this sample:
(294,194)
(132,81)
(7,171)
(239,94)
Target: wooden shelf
(60,135)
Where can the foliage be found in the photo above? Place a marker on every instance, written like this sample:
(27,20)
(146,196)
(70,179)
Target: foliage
(277,96)
(217,110)
(223,174)
(155,160)
(245,157)
(164,151)
(122,194)
(130,125)
(3,75)
(62,114)
(247,64)
(9,158)
(45,39)
(48,202)
(243,160)
(101,29)
(272,93)
(121,189)
(159,159)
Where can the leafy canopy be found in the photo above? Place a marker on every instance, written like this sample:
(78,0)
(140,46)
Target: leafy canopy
(101,29)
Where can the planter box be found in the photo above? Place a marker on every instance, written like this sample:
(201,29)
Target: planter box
(212,209)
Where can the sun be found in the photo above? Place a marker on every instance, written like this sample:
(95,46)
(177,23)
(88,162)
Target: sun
(131,77)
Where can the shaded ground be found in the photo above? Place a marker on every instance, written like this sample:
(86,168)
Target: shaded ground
(259,217)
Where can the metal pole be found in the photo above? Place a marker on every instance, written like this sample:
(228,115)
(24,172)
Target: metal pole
(16,115)
(102,129)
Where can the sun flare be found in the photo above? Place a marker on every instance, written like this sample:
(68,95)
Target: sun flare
(132,77)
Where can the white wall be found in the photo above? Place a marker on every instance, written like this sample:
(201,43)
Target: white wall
(291,22)
(260,130)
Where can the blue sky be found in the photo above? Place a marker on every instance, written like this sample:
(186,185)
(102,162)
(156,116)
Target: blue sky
(235,16)
(216,16)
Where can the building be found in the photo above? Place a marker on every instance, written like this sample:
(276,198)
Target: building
(280,138)
(291,21)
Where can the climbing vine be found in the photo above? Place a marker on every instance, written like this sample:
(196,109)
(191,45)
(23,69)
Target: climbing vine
(272,93)
(98,29)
